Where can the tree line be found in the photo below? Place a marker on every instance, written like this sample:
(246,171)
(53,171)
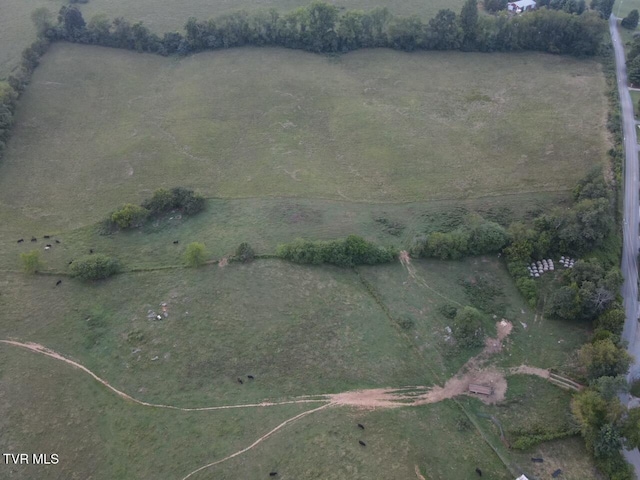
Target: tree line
(320,27)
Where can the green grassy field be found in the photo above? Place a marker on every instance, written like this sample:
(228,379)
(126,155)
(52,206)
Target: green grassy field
(378,126)
(284,144)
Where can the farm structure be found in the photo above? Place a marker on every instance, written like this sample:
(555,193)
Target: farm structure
(521,6)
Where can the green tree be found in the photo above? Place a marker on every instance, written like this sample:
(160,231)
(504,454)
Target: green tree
(631,428)
(633,69)
(196,254)
(245,253)
(443,32)
(631,20)
(129,215)
(563,303)
(94,267)
(42,19)
(604,358)
(469,23)
(31,261)
(467,327)
(611,320)
(610,387)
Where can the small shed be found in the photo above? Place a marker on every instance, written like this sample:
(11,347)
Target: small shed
(480,389)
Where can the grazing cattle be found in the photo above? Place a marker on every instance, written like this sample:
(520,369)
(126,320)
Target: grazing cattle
(273,474)
(57,241)
(70,262)
(58,282)
(361,426)
(47,236)
(21,240)
(362,443)
(537,460)
(91,250)
(479,472)
(557,473)
(250,377)
(48,245)
(34,239)
(240,381)
(175,242)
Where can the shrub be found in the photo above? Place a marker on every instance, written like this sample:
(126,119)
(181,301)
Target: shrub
(631,20)
(349,252)
(604,358)
(635,388)
(195,255)
(405,322)
(245,253)
(467,328)
(31,261)
(129,215)
(178,198)
(94,267)
(448,311)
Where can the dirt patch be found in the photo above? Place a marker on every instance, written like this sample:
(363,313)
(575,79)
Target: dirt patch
(527,370)
(224,261)
(418,474)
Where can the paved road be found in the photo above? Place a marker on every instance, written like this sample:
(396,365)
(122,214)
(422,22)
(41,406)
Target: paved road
(631,213)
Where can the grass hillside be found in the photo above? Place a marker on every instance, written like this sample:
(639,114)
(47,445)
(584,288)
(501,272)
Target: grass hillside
(99,126)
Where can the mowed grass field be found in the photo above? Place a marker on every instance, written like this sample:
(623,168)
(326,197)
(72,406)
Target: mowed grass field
(98,127)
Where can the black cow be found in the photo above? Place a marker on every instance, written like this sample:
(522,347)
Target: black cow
(70,262)
(537,460)
(48,245)
(47,236)
(58,282)
(557,473)
(250,377)
(21,240)
(175,242)
(91,250)
(362,443)
(273,474)
(34,239)
(479,472)
(361,426)
(240,381)
(57,241)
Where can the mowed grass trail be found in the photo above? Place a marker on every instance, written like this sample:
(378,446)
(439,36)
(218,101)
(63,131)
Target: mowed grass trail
(98,127)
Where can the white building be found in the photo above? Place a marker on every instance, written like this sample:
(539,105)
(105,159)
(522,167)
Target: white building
(521,6)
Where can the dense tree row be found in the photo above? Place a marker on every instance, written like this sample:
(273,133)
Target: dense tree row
(320,27)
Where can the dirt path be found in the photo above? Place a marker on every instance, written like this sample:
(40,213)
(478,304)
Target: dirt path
(261,439)
(405,260)
(471,372)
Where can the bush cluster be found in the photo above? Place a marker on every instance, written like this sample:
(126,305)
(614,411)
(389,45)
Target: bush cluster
(349,252)
(477,236)
(467,328)
(178,198)
(94,267)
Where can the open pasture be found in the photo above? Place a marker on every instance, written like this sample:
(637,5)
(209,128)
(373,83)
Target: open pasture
(98,435)
(98,127)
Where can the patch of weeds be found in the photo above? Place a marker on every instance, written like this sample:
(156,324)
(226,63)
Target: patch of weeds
(406,322)
(448,310)
(135,337)
(445,221)
(502,215)
(485,293)
(391,227)
(95,326)
(463,424)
